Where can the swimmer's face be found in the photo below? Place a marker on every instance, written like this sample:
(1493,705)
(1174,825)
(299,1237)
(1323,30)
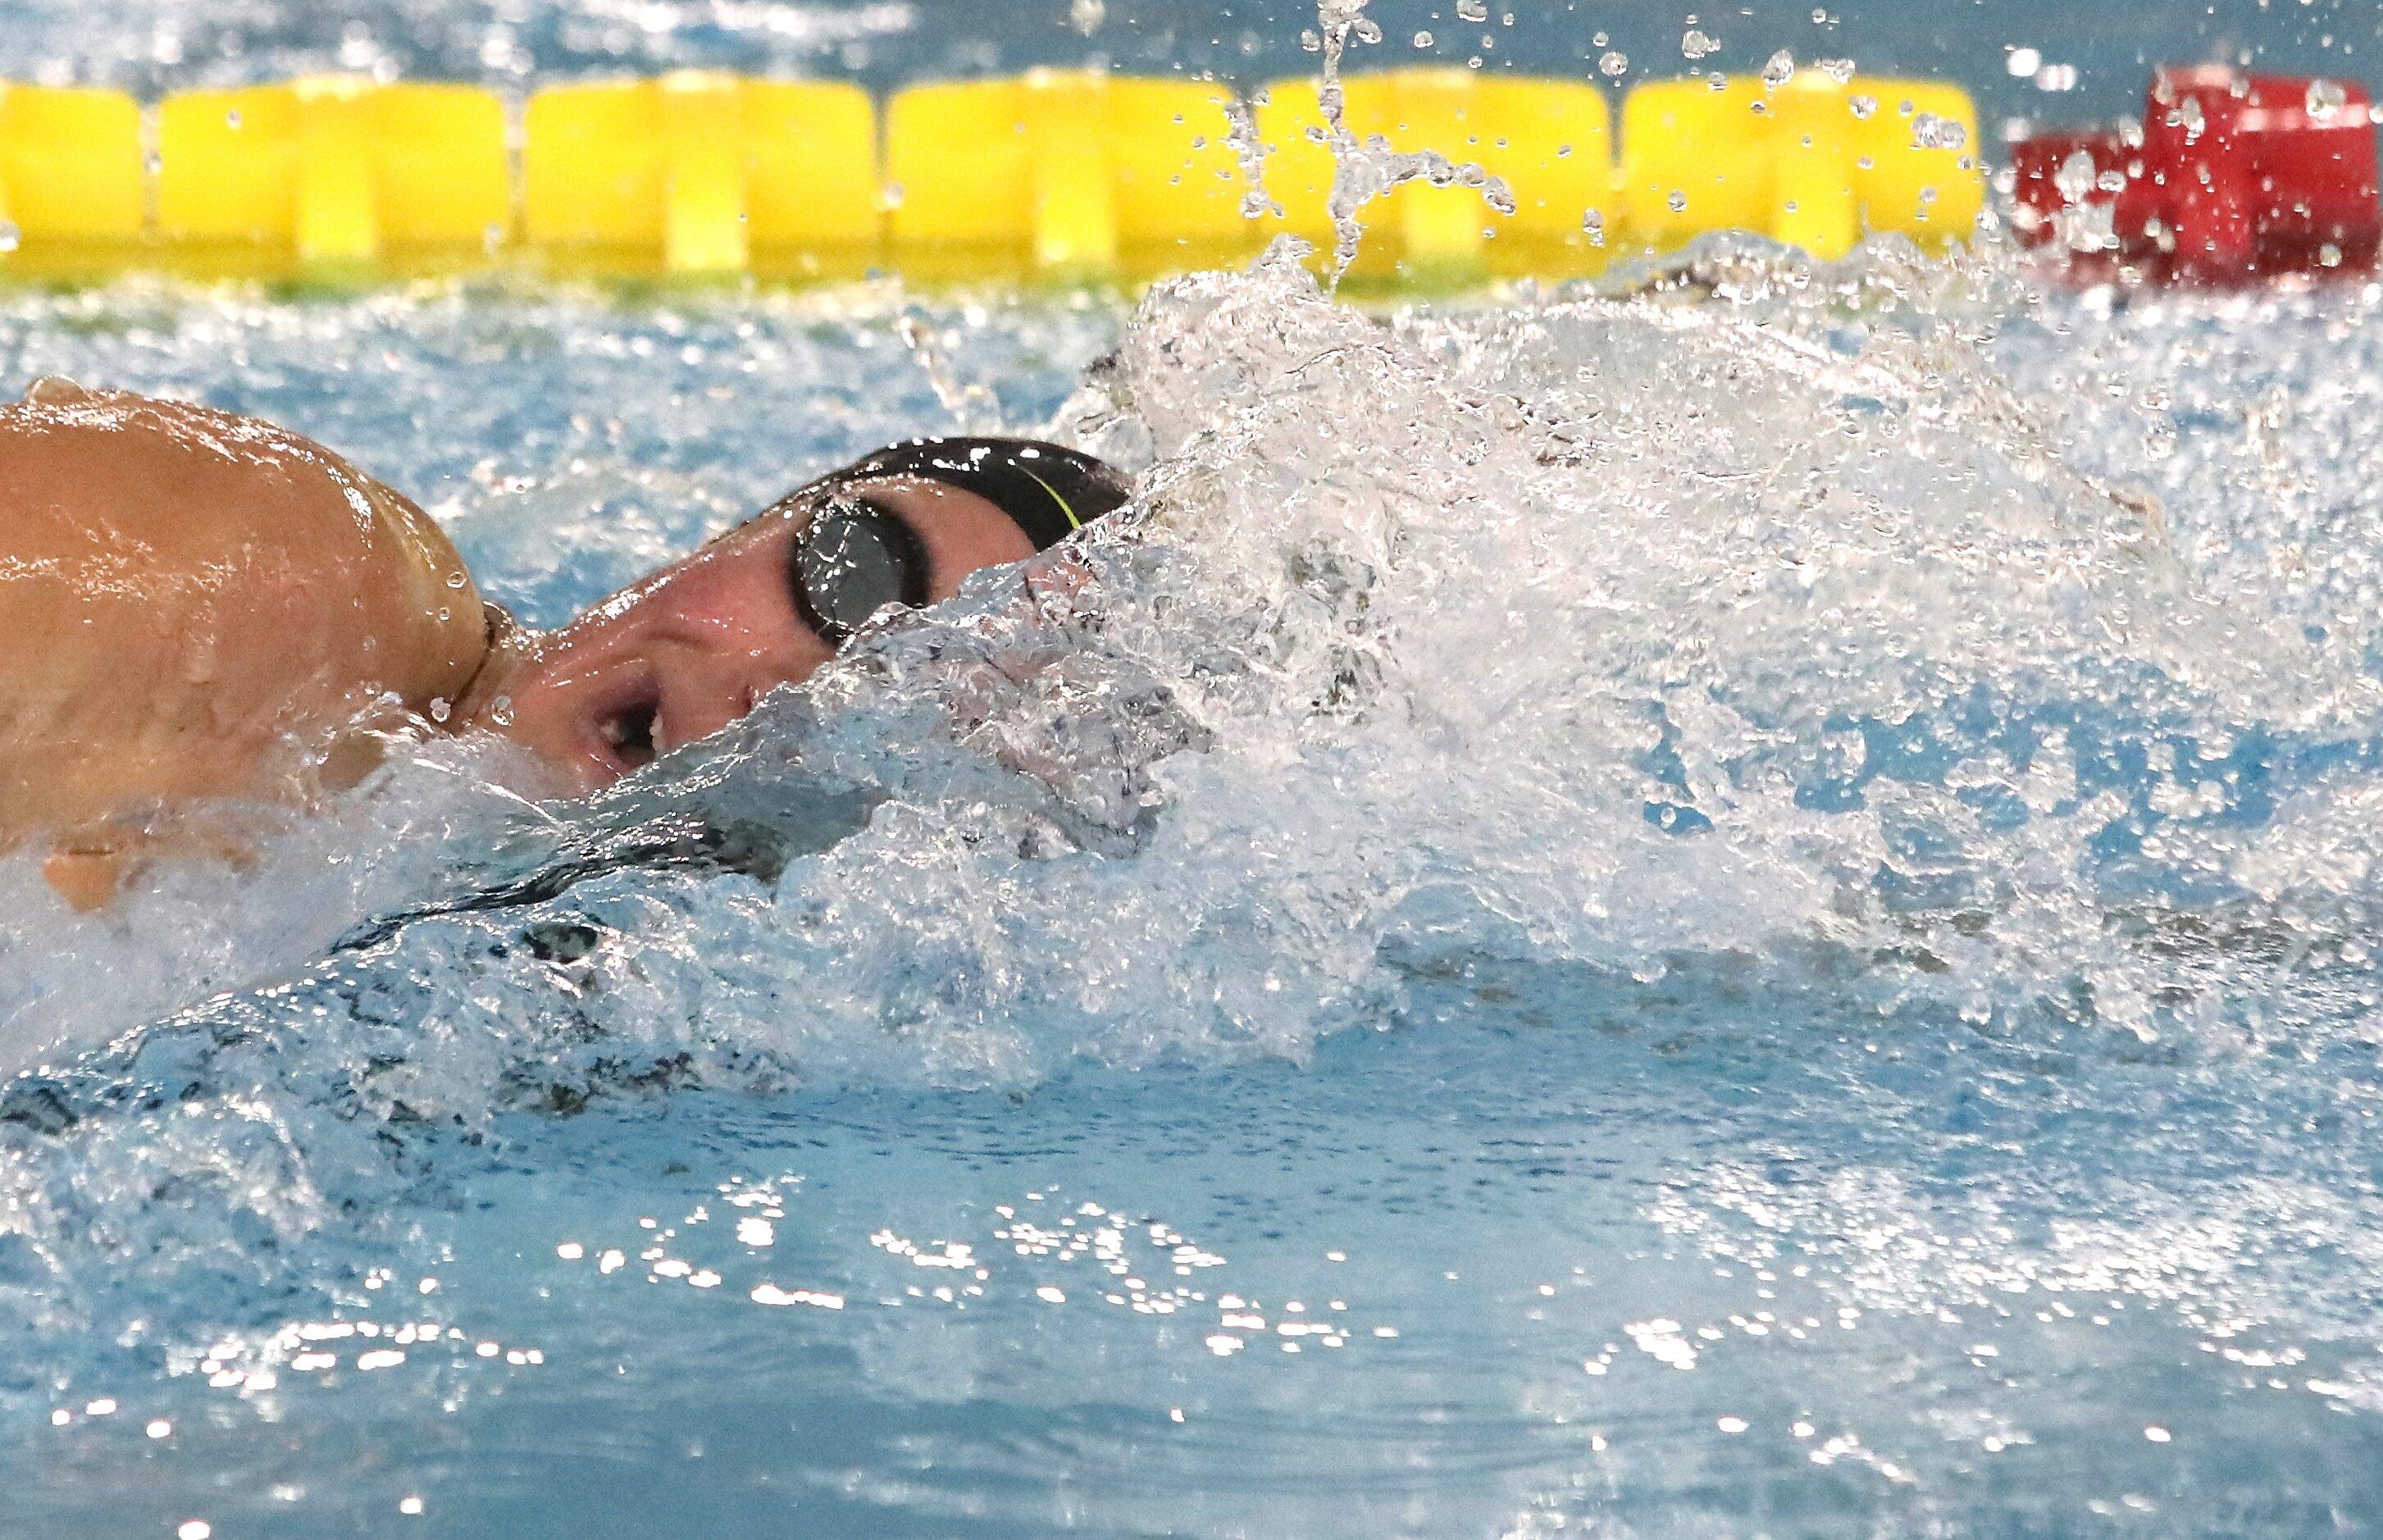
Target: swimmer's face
(690,649)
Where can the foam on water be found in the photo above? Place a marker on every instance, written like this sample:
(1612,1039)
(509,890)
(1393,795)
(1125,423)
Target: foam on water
(1937,717)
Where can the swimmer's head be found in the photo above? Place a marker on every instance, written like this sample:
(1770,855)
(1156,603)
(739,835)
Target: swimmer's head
(683,653)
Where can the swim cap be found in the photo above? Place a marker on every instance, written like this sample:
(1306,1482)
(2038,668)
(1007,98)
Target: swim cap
(1047,491)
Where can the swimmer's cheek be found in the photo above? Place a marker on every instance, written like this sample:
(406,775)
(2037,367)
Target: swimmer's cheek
(1060,580)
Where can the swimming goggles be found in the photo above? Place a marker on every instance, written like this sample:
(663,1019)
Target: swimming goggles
(853,559)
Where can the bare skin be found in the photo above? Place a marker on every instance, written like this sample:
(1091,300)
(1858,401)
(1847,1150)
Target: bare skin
(189,603)
(683,653)
(197,607)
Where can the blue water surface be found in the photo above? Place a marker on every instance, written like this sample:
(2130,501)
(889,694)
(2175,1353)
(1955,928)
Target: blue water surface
(1482,1159)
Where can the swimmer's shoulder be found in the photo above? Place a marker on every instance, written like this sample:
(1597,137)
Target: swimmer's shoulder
(185,592)
(203,520)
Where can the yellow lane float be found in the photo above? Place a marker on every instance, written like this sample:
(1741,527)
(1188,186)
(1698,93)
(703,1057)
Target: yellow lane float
(1063,174)
(1816,161)
(1551,142)
(332,171)
(701,173)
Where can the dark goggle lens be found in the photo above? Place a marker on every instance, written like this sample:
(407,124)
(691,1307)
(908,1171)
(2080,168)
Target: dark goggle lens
(851,562)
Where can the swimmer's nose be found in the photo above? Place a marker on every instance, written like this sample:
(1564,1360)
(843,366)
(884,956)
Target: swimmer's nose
(705,689)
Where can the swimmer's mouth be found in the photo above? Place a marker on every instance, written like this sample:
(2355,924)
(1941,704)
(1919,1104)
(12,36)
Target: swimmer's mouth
(628,731)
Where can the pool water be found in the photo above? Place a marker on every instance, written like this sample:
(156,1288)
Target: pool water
(1740,904)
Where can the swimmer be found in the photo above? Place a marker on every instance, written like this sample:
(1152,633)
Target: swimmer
(199,608)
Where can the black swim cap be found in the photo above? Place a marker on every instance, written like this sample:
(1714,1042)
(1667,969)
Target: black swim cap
(1048,491)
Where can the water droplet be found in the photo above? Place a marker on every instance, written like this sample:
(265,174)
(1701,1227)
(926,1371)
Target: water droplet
(2076,177)
(1471,10)
(1678,202)
(1592,225)
(1863,107)
(440,709)
(500,711)
(2326,100)
(1424,40)
(232,118)
(1779,71)
(1614,65)
(1932,132)
(2188,117)
(1695,44)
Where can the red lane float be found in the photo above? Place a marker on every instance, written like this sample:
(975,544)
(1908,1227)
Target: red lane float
(2232,176)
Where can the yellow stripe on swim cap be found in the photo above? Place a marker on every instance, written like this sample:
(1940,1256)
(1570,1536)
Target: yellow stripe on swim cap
(1074,524)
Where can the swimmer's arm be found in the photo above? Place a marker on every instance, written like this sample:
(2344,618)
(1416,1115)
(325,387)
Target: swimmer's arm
(172,616)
